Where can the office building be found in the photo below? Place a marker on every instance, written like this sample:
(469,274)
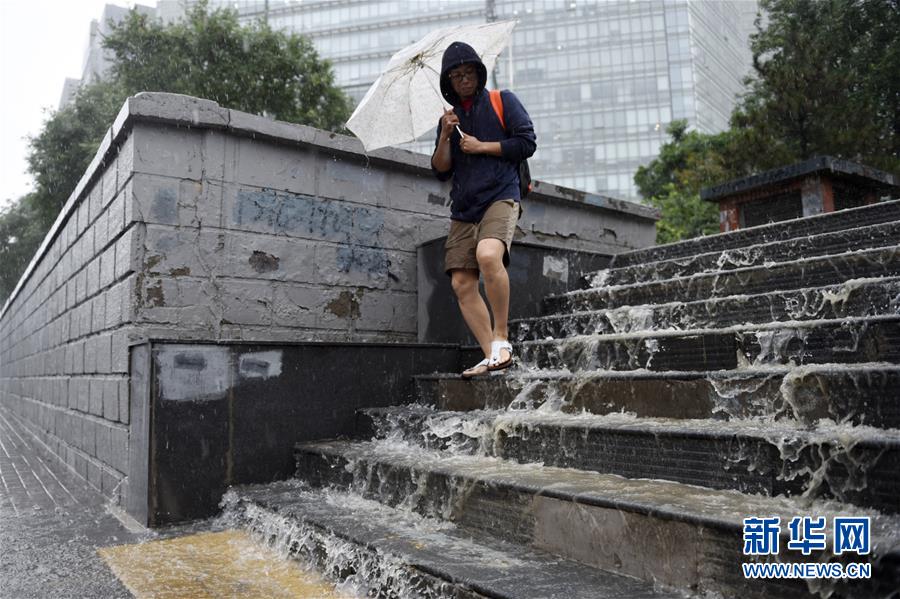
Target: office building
(601,79)
(97,60)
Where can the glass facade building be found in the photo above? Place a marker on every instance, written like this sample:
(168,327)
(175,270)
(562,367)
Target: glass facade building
(601,79)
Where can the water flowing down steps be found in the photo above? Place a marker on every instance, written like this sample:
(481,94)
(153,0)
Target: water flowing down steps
(843,220)
(386,552)
(687,387)
(793,274)
(855,394)
(835,242)
(566,511)
(846,340)
(855,298)
(854,464)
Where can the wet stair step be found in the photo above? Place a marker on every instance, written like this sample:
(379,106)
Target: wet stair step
(848,340)
(834,242)
(859,394)
(752,456)
(398,553)
(809,272)
(881,212)
(603,520)
(856,298)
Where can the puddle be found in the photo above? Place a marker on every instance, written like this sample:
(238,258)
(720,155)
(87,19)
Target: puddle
(217,564)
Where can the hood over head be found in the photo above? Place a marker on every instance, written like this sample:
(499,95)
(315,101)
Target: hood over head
(456,54)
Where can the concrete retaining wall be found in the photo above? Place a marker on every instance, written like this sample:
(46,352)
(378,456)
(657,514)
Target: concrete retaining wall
(64,333)
(195,222)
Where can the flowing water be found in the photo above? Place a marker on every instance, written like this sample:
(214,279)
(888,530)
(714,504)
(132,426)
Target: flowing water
(774,418)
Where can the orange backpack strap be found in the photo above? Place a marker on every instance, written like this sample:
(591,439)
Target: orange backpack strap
(497,103)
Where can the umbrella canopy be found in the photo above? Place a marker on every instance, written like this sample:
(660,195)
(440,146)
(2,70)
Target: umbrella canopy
(406,100)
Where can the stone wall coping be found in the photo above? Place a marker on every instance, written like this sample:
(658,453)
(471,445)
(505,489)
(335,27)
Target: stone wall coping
(199,113)
(187,111)
(866,175)
(156,340)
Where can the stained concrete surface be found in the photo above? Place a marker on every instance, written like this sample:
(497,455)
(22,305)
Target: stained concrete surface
(211,565)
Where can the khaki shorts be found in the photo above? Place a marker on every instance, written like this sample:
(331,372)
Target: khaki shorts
(498,222)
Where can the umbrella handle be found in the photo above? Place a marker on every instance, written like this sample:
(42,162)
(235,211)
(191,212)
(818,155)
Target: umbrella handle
(461,134)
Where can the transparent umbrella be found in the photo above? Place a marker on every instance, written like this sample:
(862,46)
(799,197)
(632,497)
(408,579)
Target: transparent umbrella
(406,100)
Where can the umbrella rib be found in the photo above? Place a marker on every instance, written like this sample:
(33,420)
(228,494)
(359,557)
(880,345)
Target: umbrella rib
(409,105)
(436,90)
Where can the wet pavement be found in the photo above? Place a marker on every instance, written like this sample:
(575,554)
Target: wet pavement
(59,538)
(51,525)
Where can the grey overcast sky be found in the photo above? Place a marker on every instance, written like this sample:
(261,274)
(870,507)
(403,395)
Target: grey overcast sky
(41,43)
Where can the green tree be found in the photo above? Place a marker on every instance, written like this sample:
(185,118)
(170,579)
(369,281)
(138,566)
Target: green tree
(825,82)
(20,236)
(209,54)
(65,146)
(57,160)
(672,182)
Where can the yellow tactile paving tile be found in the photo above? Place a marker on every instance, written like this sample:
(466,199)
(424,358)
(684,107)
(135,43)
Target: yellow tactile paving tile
(213,565)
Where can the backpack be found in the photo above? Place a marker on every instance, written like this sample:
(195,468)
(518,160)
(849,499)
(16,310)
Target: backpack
(524,171)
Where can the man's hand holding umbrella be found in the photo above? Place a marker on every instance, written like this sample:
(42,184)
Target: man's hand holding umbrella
(467,143)
(471,145)
(449,122)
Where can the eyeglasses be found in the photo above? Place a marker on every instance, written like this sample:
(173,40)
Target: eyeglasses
(458,76)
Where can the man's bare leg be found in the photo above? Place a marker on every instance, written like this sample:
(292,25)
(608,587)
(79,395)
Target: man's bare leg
(489,254)
(472,306)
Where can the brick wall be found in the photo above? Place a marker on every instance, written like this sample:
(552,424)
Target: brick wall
(64,334)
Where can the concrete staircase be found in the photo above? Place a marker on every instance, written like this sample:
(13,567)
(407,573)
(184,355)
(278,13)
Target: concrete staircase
(690,386)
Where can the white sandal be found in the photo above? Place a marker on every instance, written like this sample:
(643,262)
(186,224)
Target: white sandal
(496,347)
(486,363)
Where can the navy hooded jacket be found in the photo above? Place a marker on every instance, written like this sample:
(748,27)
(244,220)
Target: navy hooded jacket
(480,179)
